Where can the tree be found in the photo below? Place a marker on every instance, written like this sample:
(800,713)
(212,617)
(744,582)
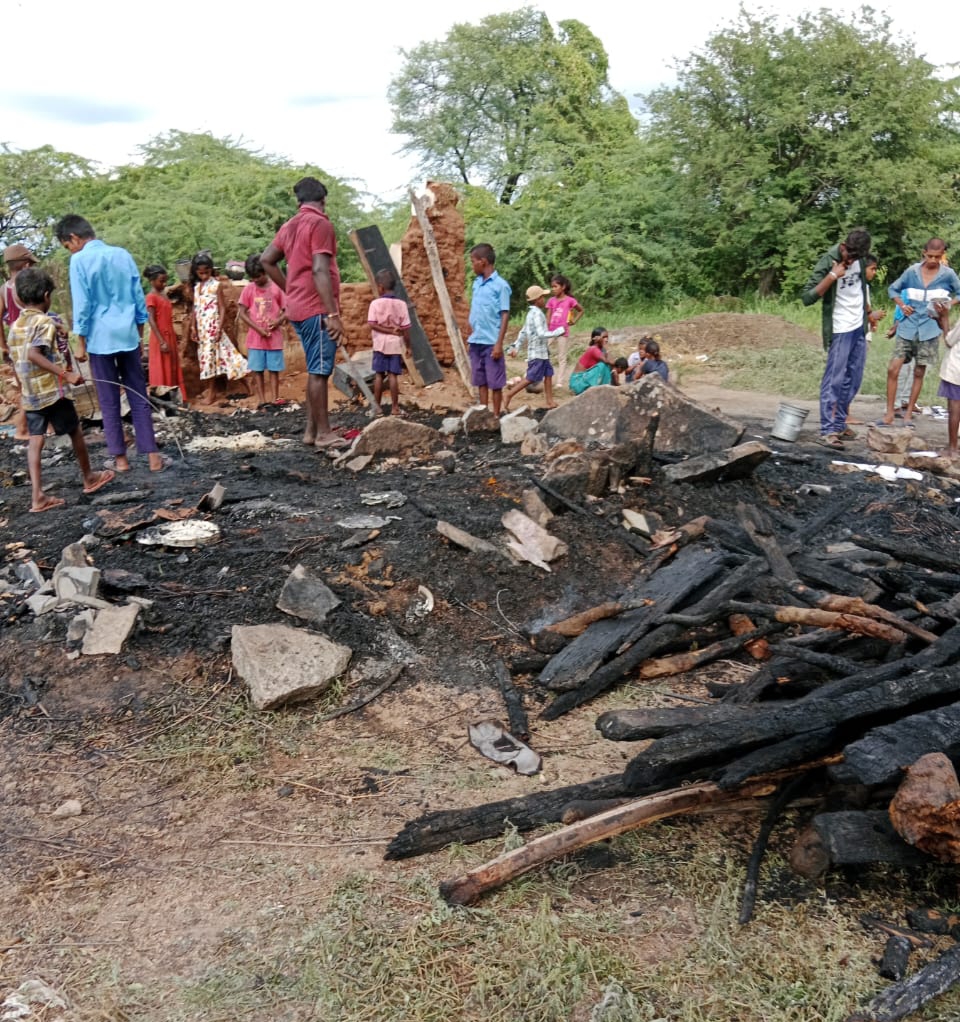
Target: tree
(783,139)
(495,103)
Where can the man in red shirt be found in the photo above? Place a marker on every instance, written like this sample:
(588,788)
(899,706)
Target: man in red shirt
(312,284)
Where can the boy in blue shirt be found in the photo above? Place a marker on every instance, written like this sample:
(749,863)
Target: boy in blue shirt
(489,317)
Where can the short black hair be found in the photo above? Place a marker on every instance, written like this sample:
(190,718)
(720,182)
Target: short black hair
(200,259)
(309,189)
(652,348)
(386,279)
(484,251)
(858,242)
(870,260)
(73,224)
(621,363)
(939,245)
(597,331)
(154,270)
(33,285)
(252,265)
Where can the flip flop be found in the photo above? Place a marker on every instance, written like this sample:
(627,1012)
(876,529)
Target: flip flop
(55,502)
(830,440)
(848,434)
(165,463)
(106,476)
(880,424)
(110,465)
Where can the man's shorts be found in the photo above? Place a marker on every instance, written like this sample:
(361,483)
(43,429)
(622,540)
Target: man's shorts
(61,415)
(487,371)
(318,345)
(387,363)
(259,359)
(538,369)
(924,353)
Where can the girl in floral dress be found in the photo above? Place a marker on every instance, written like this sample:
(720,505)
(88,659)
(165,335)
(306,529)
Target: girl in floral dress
(218,356)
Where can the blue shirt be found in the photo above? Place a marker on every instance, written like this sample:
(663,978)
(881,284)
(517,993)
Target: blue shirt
(911,290)
(108,302)
(491,298)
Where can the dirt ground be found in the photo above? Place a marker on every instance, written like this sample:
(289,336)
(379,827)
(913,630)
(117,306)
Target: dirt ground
(211,834)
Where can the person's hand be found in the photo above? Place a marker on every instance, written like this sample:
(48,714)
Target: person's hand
(334,326)
(72,377)
(265,333)
(875,317)
(838,270)
(62,332)
(497,352)
(80,353)
(907,310)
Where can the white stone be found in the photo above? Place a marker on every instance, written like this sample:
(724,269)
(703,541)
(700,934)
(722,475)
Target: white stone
(514,427)
(110,629)
(71,807)
(284,665)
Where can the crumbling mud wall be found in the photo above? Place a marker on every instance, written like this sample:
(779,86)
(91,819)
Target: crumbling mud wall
(450,232)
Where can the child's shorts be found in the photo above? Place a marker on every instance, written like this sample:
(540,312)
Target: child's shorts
(61,415)
(387,363)
(924,353)
(259,360)
(487,371)
(539,369)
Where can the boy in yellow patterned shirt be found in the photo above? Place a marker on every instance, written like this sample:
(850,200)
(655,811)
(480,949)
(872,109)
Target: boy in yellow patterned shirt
(42,373)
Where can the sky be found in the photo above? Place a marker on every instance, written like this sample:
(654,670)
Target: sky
(304,81)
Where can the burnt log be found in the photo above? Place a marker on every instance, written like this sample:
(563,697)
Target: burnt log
(913,553)
(830,576)
(758,528)
(826,661)
(798,749)
(651,644)
(902,999)
(896,957)
(851,838)
(443,827)
(513,701)
(706,746)
(655,722)
(680,663)
(578,660)
(880,756)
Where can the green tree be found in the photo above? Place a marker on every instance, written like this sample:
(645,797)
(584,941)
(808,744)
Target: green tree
(496,103)
(783,139)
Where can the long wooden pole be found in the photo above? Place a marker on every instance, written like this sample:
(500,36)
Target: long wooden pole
(440,285)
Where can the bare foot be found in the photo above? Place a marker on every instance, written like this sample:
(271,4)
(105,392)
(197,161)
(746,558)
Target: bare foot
(554,405)
(309,437)
(47,504)
(950,453)
(158,461)
(888,419)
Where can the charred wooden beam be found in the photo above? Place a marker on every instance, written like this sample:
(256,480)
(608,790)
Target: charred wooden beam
(851,838)
(758,527)
(896,957)
(779,756)
(655,722)
(902,999)
(855,605)
(513,700)
(912,553)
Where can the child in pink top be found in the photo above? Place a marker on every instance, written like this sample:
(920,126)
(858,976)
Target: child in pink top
(389,321)
(262,309)
(563,310)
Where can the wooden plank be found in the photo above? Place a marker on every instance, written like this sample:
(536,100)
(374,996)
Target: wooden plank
(440,285)
(375,256)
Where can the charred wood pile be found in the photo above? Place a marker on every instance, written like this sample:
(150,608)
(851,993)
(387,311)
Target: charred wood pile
(852,708)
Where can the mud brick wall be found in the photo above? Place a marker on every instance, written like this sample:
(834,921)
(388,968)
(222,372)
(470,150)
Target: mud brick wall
(450,231)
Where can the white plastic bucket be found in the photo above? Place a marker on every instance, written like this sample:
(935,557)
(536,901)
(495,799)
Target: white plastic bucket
(789,421)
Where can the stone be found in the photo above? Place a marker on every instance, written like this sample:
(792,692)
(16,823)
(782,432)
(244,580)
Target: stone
(41,603)
(391,436)
(925,811)
(514,427)
(285,665)
(531,541)
(447,461)
(534,507)
(359,464)
(305,596)
(608,414)
(465,539)
(735,463)
(74,556)
(479,419)
(71,582)
(889,440)
(71,807)
(110,629)
(34,1001)
(451,425)
(534,445)
(79,626)
(27,571)
(578,475)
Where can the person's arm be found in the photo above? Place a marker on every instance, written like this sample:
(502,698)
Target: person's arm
(82,312)
(35,355)
(270,259)
(243,319)
(825,274)
(504,325)
(323,282)
(4,348)
(894,292)
(576,313)
(155,329)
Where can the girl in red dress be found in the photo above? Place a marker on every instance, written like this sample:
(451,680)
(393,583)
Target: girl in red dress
(164,365)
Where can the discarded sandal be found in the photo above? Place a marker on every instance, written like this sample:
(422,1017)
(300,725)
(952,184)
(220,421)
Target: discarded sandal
(830,440)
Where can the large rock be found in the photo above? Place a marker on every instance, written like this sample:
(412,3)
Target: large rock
(306,596)
(515,426)
(285,665)
(611,415)
(392,436)
(735,463)
(110,629)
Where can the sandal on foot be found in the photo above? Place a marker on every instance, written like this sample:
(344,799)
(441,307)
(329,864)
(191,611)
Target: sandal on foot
(848,434)
(106,476)
(55,502)
(165,463)
(830,440)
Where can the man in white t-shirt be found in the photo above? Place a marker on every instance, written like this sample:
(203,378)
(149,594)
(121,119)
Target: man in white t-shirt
(839,280)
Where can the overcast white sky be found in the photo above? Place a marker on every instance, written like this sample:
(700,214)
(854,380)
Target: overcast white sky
(307,81)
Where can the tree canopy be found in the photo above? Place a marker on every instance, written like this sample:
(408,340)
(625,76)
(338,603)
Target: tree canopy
(782,139)
(496,103)
(190,192)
